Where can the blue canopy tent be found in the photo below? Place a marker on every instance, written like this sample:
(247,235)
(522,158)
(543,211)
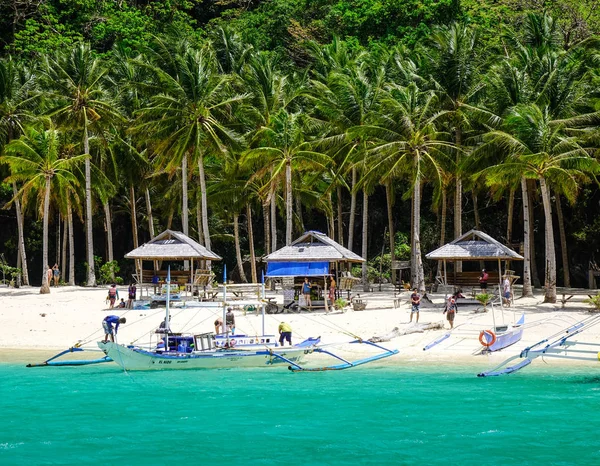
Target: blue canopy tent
(296,269)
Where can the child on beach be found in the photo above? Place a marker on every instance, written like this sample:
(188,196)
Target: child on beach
(415,300)
(55,274)
(450,309)
(113,295)
(122,304)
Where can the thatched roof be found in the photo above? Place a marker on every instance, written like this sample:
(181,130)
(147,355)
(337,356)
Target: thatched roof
(172,245)
(474,245)
(314,246)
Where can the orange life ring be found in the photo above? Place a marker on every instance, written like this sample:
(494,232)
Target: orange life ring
(483,339)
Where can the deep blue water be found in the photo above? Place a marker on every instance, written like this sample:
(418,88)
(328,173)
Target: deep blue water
(378,416)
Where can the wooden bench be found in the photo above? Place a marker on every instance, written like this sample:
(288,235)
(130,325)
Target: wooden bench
(240,290)
(464,280)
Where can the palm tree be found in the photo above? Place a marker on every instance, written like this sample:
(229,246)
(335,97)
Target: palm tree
(188,116)
(408,144)
(34,160)
(541,150)
(78,99)
(17,97)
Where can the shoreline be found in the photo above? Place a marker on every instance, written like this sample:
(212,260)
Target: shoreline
(36,327)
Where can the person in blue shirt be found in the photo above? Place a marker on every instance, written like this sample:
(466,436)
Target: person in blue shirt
(306,288)
(107,325)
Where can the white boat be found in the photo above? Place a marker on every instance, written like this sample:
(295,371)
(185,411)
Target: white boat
(502,336)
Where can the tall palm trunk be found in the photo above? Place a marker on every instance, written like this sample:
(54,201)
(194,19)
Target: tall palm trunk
(535,278)
(91,274)
(109,235)
(390,204)
(352,211)
(527,290)
(238,250)
(289,214)
(202,177)
(149,211)
(442,229)
(458,198)
(45,265)
(63,264)
(267,227)
(298,203)
(418,278)
(71,242)
(134,228)
(339,215)
(550,275)
(251,243)
(185,221)
(563,242)
(365,244)
(509,226)
(274,220)
(21,240)
(199,219)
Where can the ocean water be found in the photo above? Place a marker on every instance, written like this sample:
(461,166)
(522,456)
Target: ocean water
(375,416)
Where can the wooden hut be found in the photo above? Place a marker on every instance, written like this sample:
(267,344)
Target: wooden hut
(173,246)
(312,255)
(473,246)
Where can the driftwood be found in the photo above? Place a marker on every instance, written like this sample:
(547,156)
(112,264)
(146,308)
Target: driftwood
(396,332)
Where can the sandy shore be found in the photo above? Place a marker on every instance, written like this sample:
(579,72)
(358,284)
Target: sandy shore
(37,326)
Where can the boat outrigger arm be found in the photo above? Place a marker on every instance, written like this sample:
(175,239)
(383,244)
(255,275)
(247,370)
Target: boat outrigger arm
(71,362)
(554,346)
(296,367)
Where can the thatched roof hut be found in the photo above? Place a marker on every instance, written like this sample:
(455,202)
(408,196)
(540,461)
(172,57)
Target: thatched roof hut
(172,245)
(474,245)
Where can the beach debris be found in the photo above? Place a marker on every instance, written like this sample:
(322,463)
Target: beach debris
(43,314)
(396,332)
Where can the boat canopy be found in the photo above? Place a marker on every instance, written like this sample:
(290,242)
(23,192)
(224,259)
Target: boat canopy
(296,269)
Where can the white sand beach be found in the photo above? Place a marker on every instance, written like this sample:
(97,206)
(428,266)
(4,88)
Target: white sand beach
(35,326)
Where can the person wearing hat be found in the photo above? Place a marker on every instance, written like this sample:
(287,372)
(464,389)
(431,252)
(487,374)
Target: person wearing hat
(230,320)
(285,333)
(483,279)
(107,325)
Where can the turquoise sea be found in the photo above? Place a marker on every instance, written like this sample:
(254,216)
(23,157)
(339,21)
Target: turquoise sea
(376,416)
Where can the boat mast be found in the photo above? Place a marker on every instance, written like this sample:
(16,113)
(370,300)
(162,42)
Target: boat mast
(167,316)
(225,327)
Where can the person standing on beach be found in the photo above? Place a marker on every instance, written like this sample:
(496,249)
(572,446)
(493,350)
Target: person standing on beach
(49,275)
(306,288)
(332,286)
(113,295)
(285,333)
(483,280)
(109,330)
(450,310)
(415,300)
(230,320)
(131,292)
(55,274)
(506,290)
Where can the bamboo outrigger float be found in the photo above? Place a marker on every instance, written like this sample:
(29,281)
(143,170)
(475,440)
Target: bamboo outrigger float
(555,346)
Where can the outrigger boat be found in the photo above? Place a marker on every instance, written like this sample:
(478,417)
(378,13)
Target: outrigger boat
(209,351)
(557,346)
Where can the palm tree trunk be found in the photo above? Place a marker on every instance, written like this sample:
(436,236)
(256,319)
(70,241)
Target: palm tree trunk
(442,229)
(21,240)
(458,199)
(134,228)
(478,222)
(289,214)
(390,204)
(185,224)
(91,274)
(109,235)
(274,220)
(535,277)
(238,251)
(330,216)
(365,231)
(71,242)
(352,211)
(511,209)
(563,242)
(418,281)
(199,219)
(550,280)
(45,265)
(251,243)
(202,177)
(339,215)
(63,265)
(527,290)
(149,211)
(298,202)
(267,227)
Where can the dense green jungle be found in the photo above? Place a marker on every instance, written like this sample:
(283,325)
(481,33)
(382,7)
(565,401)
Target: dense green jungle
(393,126)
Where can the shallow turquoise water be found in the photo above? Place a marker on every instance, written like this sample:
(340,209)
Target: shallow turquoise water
(375,416)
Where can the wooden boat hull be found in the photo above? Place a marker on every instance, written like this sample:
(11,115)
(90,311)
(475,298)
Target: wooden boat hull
(132,358)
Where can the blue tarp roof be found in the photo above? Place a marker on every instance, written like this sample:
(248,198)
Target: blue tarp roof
(297,269)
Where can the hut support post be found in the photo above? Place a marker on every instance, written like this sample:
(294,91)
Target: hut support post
(191,278)
(500,286)
(325,297)
(445,274)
